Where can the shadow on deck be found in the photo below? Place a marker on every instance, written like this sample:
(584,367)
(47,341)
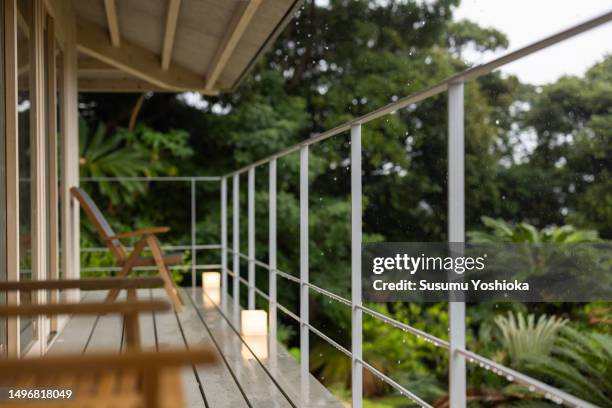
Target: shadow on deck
(240,379)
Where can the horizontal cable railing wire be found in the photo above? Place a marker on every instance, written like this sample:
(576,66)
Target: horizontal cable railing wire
(551,393)
(262,293)
(329,340)
(288,312)
(287,276)
(208,267)
(397,386)
(407,328)
(164,247)
(152,178)
(329,294)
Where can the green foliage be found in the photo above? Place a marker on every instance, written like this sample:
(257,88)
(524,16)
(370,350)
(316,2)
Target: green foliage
(552,351)
(502,231)
(284,333)
(128,153)
(523,337)
(102,155)
(580,363)
(466,33)
(572,160)
(159,145)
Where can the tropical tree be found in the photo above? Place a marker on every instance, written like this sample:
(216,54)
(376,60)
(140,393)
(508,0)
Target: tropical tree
(127,153)
(102,155)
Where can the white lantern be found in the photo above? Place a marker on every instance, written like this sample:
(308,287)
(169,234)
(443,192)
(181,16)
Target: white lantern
(211,288)
(254,323)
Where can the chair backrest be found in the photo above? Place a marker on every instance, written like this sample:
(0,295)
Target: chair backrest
(102,226)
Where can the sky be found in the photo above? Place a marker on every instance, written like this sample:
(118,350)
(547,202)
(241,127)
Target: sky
(526,21)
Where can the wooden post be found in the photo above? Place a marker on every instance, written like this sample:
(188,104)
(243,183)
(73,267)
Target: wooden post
(70,163)
(38,162)
(52,165)
(12,167)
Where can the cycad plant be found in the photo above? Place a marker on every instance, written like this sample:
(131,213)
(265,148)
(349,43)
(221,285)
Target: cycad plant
(580,363)
(524,337)
(550,350)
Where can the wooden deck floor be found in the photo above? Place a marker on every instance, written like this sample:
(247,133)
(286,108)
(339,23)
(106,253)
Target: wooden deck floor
(238,380)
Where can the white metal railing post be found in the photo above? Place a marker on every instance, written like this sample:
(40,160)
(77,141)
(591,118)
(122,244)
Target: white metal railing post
(272,252)
(304,320)
(194,259)
(224,288)
(236,247)
(356,314)
(456,233)
(251,237)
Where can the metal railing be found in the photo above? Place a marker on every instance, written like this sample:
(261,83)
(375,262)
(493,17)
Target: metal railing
(458,354)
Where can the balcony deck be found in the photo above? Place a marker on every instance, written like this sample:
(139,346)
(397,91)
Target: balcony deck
(238,380)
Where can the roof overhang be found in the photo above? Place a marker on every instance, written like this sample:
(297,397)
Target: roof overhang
(206,46)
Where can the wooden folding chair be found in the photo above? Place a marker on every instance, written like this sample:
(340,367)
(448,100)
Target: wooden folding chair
(134,259)
(136,378)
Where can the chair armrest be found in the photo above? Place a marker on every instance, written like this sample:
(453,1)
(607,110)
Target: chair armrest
(140,232)
(83,284)
(96,362)
(128,307)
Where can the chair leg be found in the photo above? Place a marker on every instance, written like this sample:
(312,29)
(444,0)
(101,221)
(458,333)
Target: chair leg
(126,268)
(169,284)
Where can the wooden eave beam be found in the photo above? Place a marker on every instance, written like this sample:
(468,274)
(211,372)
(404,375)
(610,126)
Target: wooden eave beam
(118,85)
(168,42)
(138,62)
(245,10)
(113,22)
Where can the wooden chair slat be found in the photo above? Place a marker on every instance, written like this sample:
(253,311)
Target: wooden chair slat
(126,307)
(100,223)
(83,284)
